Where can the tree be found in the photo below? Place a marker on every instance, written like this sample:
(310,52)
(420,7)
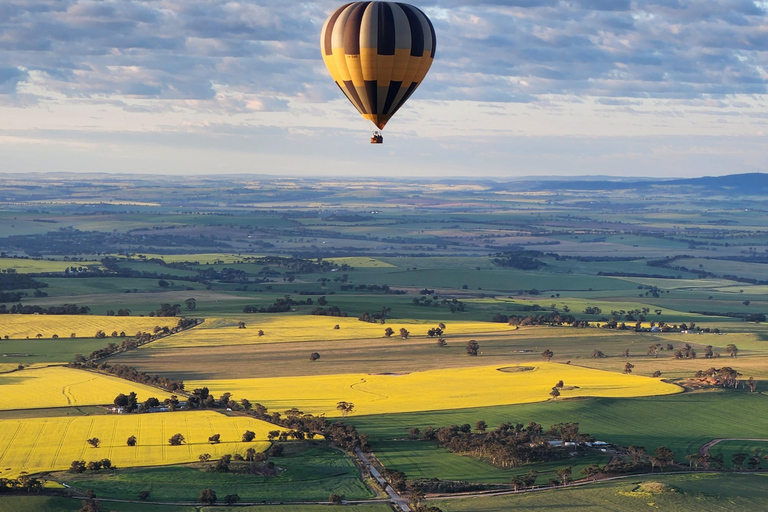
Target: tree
(248,436)
(564,474)
(208,497)
(131,441)
(654,349)
(345,408)
(91,505)
(732,350)
(336,499)
(473,347)
(547,354)
(94,441)
(404,333)
(481,425)
(241,325)
(191,304)
(628,367)
(738,460)
(554,393)
(664,456)
(77,466)
(388,332)
(231,499)
(222,465)
(314,356)
(176,440)
(204,457)
(414,432)
(656,374)
(441,342)
(637,453)
(144,495)
(162,283)
(752,383)
(215,439)
(250,454)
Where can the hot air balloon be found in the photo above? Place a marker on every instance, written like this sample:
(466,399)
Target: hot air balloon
(378,53)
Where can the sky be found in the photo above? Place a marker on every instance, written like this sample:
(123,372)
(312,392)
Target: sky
(518,88)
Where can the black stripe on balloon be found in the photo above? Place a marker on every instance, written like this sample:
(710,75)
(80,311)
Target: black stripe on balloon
(328,43)
(386,33)
(394,88)
(417,32)
(432,30)
(405,96)
(352,29)
(372,91)
(350,87)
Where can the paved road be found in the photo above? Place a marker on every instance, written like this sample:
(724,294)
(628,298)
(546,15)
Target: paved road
(400,502)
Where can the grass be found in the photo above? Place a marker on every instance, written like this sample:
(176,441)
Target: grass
(441,389)
(729,448)
(62,350)
(420,459)
(51,444)
(712,492)
(307,472)
(62,387)
(83,326)
(53,504)
(683,422)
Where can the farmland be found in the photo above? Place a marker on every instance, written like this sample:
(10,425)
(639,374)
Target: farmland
(51,444)
(454,388)
(624,299)
(60,387)
(75,326)
(293,328)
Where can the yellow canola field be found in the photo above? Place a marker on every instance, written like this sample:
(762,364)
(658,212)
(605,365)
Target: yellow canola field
(84,326)
(29,266)
(292,328)
(360,262)
(442,389)
(51,444)
(57,386)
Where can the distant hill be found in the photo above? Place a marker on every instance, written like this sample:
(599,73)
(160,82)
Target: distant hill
(741,184)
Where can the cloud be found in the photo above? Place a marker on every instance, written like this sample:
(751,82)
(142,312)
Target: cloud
(488,50)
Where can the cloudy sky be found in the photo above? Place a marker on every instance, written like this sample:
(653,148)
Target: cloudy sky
(518,88)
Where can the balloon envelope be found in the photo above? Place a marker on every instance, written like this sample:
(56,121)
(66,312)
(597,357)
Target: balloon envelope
(378,53)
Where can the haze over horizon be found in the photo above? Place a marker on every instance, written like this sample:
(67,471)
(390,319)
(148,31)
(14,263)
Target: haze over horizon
(518,88)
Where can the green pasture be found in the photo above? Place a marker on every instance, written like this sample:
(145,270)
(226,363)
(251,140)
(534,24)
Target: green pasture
(66,287)
(752,448)
(422,459)
(682,422)
(61,350)
(54,504)
(710,492)
(308,472)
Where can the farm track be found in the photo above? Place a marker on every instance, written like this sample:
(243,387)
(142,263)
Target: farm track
(363,381)
(61,443)
(704,450)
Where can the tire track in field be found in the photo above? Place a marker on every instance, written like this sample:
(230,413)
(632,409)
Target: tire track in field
(88,436)
(11,442)
(34,445)
(112,439)
(189,431)
(61,442)
(67,392)
(163,449)
(138,440)
(363,381)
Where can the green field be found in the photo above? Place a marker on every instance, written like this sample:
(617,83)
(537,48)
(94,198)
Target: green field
(723,493)
(305,473)
(682,422)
